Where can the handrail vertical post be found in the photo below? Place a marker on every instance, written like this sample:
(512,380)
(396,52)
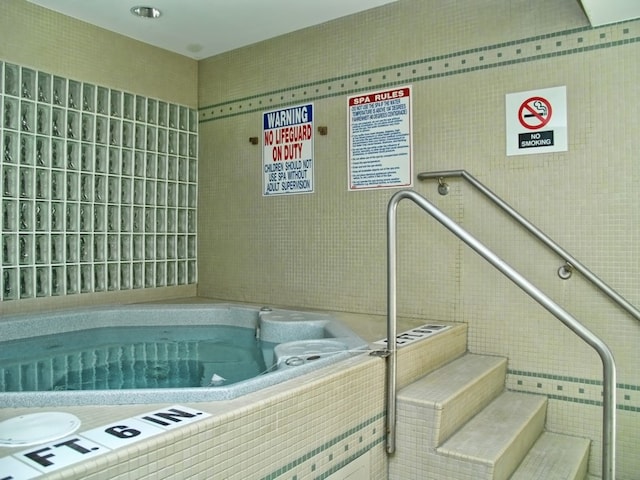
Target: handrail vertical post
(391,325)
(608,363)
(608,415)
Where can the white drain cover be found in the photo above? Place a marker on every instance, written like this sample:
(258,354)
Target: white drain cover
(37,428)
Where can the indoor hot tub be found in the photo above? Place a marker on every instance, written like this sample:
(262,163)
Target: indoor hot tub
(173,353)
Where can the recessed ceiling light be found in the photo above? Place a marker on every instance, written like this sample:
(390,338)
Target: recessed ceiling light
(146,12)
(194,47)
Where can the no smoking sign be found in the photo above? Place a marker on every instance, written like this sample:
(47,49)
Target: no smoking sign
(535,113)
(536,121)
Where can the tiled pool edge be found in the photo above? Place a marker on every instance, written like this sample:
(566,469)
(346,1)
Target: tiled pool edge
(306,428)
(274,325)
(294,430)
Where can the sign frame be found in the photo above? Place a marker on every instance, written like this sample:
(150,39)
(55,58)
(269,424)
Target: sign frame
(380,134)
(287,150)
(536,121)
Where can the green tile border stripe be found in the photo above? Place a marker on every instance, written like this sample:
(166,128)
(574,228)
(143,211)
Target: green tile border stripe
(346,461)
(564,378)
(235,107)
(327,445)
(549,376)
(595,403)
(405,64)
(574,380)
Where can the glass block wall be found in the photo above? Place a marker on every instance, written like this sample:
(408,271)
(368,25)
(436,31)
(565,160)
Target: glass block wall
(98,188)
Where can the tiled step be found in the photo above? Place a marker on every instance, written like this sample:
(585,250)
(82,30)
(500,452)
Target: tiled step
(555,457)
(499,437)
(451,395)
(415,360)
(455,421)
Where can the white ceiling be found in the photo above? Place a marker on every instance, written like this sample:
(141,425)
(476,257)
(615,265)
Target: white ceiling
(202,28)
(603,12)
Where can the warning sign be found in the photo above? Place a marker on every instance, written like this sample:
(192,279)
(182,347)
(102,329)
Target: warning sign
(287,155)
(537,121)
(380,150)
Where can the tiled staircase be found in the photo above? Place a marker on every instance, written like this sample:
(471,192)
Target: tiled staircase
(457,422)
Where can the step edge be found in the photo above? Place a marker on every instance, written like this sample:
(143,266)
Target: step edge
(471,382)
(428,355)
(579,460)
(452,451)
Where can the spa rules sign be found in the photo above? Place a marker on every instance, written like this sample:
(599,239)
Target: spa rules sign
(287,154)
(380,153)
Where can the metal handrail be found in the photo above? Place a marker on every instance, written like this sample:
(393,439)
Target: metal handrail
(539,234)
(608,363)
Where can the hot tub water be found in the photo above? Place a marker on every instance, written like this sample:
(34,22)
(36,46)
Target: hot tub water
(180,353)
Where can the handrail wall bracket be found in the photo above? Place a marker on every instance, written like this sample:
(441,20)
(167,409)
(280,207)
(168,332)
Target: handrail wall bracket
(608,363)
(572,264)
(443,187)
(565,271)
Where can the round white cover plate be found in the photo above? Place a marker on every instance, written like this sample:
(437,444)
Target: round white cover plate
(36,428)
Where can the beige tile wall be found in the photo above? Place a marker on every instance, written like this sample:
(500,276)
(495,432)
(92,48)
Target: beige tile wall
(327,249)
(462,58)
(40,38)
